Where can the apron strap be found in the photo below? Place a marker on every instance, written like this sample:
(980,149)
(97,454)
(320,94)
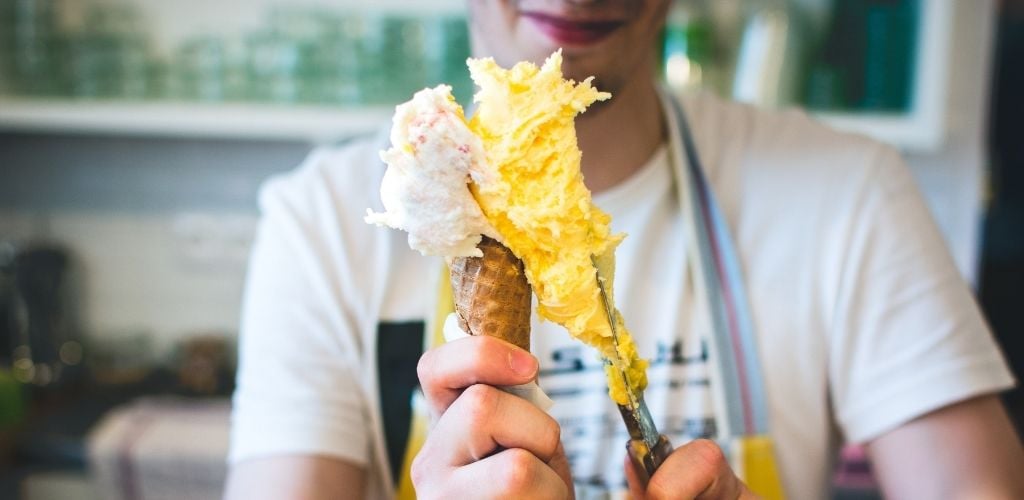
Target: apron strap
(735,356)
(731,325)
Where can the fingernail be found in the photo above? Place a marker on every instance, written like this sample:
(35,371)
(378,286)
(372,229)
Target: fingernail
(522,362)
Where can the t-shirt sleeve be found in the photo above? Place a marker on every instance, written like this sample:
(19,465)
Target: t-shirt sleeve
(297,384)
(907,337)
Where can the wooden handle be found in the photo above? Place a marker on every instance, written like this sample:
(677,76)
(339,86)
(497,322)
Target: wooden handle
(645,461)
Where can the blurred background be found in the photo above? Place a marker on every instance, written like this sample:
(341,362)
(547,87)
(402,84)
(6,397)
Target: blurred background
(134,135)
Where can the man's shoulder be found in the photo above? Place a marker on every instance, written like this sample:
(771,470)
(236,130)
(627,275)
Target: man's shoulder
(772,165)
(343,176)
(786,141)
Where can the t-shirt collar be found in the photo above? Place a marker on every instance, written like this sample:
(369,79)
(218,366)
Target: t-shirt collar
(651,181)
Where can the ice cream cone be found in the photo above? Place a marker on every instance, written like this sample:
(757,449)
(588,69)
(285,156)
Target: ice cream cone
(492,296)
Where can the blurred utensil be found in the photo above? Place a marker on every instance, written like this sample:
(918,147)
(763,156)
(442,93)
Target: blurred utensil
(647,448)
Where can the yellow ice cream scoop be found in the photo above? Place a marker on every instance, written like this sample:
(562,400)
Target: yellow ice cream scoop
(535,198)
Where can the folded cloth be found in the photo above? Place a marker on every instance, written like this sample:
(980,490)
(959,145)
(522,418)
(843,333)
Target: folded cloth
(529,391)
(161,448)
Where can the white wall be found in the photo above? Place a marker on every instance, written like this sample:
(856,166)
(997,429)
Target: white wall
(953,178)
(170,276)
(158,227)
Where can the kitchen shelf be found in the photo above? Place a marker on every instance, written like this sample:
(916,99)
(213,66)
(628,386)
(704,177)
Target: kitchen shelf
(922,128)
(315,124)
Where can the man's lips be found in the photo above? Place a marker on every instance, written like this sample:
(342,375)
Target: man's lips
(570,31)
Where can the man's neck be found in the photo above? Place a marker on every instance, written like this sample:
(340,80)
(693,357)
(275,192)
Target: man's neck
(618,139)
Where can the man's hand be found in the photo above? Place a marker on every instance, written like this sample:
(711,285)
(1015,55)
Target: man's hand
(486,443)
(697,469)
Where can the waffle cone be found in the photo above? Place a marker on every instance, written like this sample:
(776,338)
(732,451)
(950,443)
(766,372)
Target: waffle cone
(492,296)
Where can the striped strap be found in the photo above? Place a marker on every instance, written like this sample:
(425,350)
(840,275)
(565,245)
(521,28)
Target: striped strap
(732,329)
(737,363)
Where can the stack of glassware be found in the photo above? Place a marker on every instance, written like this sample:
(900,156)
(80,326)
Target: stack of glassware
(298,55)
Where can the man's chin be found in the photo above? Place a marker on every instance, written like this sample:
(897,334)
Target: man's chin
(578,63)
(581,69)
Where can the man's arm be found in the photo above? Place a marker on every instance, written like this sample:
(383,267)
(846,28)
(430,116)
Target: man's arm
(296,477)
(966,450)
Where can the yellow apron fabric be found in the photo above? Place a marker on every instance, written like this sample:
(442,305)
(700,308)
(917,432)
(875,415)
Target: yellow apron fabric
(754,463)
(434,337)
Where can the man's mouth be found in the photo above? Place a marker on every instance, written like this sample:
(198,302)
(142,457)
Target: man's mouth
(566,31)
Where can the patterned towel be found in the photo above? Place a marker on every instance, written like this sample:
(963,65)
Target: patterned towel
(161,448)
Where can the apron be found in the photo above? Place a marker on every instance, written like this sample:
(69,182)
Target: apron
(740,401)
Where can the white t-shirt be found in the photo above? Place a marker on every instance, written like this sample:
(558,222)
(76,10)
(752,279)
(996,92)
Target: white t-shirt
(862,320)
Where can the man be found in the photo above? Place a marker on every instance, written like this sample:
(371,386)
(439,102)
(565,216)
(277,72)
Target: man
(864,328)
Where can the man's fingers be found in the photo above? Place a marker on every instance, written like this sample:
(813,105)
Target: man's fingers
(560,464)
(636,489)
(448,369)
(699,470)
(511,474)
(484,419)
(486,443)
